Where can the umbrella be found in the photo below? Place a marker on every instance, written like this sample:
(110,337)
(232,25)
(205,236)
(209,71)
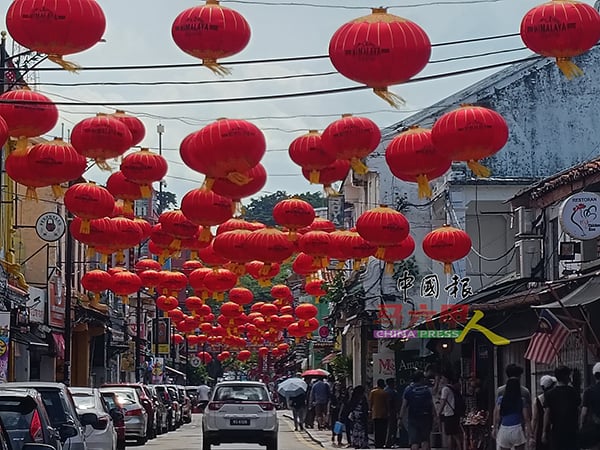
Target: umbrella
(315,373)
(292,387)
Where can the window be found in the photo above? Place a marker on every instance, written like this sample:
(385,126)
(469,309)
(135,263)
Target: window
(55,407)
(241,394)
(83,401)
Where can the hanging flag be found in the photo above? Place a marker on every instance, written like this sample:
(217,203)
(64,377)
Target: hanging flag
(548,339)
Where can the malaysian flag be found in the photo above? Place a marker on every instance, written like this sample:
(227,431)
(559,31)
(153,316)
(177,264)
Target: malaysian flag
(548,339)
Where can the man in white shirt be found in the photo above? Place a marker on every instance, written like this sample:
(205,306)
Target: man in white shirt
(203,396)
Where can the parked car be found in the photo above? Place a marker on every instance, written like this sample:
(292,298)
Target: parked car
(192,392)
(162,411)
(165,397)
(100,435)
(118,416)
(146,402)
(186,405)
(25,419)
(61,411)
(240,412)
(5,443)
(172,390)
(136,417)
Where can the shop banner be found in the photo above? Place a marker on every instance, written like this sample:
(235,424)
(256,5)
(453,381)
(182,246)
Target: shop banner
(157,368)
(384,366)
(4,345)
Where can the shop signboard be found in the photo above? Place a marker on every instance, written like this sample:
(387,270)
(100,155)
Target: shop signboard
(4,345)
(384,366)
(37,305)
(56,302)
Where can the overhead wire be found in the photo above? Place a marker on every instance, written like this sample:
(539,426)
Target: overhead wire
(348,7)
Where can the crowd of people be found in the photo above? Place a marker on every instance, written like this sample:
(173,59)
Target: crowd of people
(558,419)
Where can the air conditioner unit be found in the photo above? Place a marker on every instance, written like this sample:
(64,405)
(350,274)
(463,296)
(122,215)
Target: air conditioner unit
(528,256)
(524,218)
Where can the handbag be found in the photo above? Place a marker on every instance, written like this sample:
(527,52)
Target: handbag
(339,427)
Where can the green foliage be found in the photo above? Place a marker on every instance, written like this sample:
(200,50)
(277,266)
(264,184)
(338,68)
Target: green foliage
(261,209)
(335,290)
(261,293)
(164,200)
(197,375)
(341,367)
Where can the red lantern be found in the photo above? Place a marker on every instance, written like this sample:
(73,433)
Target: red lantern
(232,246)
(205,357)
(147,264)
(100,138)
(561,29)
(144,168)
(172,282)
(269,246)
(382,226)
(309,153)
(205,208)
(380,50)
(88,201)
(447,244)
(237,224)
(56,28)
(127,235)
(167,303)
(308,327)
(125,283)
(263,352)
(177,315)
(3,132)
(27,113)
(19,169)
(241,296)
(304,265)
(56,162)
(294,331)
(211,32)
(257,176)
(283,347)
(315,288)
(150,278)
(359,249)
(123,189)
(175,224)
(286,319)
(177,339)
(469,134)
(98,233)
(244,355)
(281,291)
(411,156)
(223,356)
(194,304)
(337,171)
(352,138)
(218,281)
(224,149)
(397,252)
(261,272)
(316,244)
(135,126)
(96,281)
(293,214)
(189,266)
(306,311)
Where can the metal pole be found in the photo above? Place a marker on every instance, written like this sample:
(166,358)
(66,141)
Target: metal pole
(160,129)
(138,337)
(3,55)
(68,295)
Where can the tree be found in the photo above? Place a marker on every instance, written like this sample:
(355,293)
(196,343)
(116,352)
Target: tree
(164,200)
(261,293)
(261,209)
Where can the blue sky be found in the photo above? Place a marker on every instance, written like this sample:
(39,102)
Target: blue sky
(138,33)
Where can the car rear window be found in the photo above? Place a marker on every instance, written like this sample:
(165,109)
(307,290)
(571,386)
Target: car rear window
(16,412)
(110,400)
(55,407)
(83,401)
(126,398)
(241,394)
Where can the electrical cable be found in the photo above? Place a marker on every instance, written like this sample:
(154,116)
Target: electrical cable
(328,6)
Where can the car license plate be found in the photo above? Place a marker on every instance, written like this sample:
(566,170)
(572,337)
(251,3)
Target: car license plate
(239,421)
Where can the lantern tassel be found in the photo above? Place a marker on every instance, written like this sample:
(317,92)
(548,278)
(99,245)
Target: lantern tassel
(146,190)
(22,143)
(84,228)
(340,265)
(292,236)
(380,254)
(479,169)
(194,255)
(208,183)
(205,235)
(57,191)
(314,177)
(356,264)
(67,65)
(175,244)
(568,68)
(264,282)
(90,252)
(125,299)
(31,194)
(103,165)
(120,257)
(265,269)
(215,67)
(330,192)
(424,187)
(447,267)
(392,99)
(389,268)
(358,166)
(238,178)
(127,206)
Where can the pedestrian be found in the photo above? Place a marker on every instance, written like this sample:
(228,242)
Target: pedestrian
(298,405)
(394,405)
(378,410)
(418,405)
(359,414)
(335,405)
(512,417)
(515,371)
(202,396)
(589,421)
(309,419)
(345,415)
(449,413)
(319,399)
(547,382)
(561,413)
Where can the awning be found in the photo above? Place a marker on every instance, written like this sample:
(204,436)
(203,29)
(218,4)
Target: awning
(585,294)
(170,369)
(328,358)
(27,338)
(59,345)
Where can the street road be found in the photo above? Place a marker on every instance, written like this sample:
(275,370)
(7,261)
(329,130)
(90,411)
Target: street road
(189,437)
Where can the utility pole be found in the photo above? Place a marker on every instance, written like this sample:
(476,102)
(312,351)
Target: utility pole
(160,129)
(68,299)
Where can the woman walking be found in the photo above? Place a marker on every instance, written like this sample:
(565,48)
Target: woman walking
(511,418)
(359,414)
(345,413)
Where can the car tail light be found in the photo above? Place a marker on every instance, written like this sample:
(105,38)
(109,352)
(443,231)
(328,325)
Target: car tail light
(35,428)
(215,406)
(134,412)
(267,406)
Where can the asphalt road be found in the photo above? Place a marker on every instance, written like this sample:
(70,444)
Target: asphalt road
(189,437)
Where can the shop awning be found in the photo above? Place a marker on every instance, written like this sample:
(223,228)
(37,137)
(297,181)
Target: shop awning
(585,294)
(27,338)
(170,369)
(328,358)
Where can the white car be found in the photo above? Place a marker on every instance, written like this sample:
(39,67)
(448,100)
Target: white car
(101,435)
(240,412)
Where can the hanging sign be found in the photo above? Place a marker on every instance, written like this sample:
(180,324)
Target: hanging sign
(580,216)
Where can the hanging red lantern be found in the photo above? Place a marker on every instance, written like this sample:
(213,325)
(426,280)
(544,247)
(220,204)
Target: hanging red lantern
(205,208)
(283,347)
(167,303)
(359,249)
(127,235)
(305,311)
(144,226)
(133,124)
(244,355)
(56,162)
(123,189)
(281,291)
(189,266)
(100,138)
(177,339)
(147,264)
(263,352)
(561,29)
(88,201)
(162,252)
(125,283)
(309,153)
(294,331)
(160,237)
(19,169)
(411,156)
(3,132)
(262,272)
(196,281)
(304,265)
(194,245)
(205,357)
(293,214)
(337,171)
(268,309)
(226,148)
(257,176)
(241,296)
(96,281)
(238,224)
(308,327)
(56,28)
(144,168)
(224,356)
(316,244)
(194,304)
(178,226)
(232,246)
(382,226)
(469,134)
(27,113)
(211,258)
(315,288)
(380,50)
(286,319)
(218,281)
(269,246)
(397,252)
(211,32)
(319,224)
(352,138)
(447,244)
(98,233)
(193,340)
(150,278)
(172,282)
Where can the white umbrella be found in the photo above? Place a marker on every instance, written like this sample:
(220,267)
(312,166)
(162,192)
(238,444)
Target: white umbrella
(292,387)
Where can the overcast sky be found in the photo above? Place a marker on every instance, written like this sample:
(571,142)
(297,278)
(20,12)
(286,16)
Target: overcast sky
(139,33)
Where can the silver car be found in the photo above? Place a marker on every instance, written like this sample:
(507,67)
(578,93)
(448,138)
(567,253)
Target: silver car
(100,435)
(136,417)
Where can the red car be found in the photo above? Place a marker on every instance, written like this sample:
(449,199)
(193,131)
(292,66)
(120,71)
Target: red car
(147,403)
